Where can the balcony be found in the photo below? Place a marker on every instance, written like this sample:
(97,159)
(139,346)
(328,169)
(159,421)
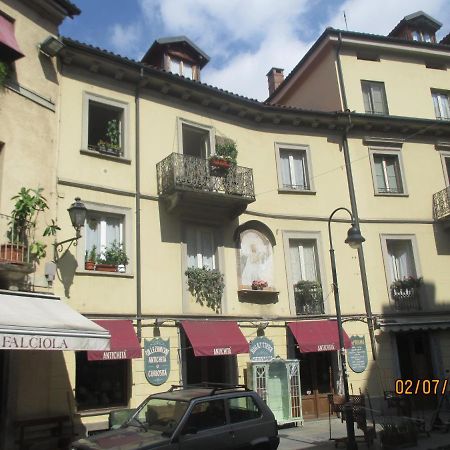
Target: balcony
(15,260)
(406,299)
(190,187)
(441,205)
(308,298)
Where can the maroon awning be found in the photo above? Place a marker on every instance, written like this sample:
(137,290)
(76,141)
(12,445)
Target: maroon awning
(124,342)
(9,48)
(317,335)
(215,337)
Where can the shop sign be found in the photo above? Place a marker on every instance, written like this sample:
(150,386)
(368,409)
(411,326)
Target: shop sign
(157,360)
(32,342)
(261,349)
(357,354)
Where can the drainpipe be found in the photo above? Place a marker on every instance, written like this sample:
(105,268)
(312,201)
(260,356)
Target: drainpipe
(138,210)
(354,208)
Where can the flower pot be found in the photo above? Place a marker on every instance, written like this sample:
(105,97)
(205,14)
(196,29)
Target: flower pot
(89,265)
(220,163)
(106,267)
(12,252)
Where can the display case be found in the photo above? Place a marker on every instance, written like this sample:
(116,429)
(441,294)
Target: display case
(278,384)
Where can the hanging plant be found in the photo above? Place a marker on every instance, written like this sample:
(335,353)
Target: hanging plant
(206,285)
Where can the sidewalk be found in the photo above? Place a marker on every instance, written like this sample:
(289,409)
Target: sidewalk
(315,435)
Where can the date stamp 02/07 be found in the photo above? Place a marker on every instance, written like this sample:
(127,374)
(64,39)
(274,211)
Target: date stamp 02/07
(421,386)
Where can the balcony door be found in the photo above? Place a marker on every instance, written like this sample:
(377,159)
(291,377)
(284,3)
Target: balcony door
(196,141)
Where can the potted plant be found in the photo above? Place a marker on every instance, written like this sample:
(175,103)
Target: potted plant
(407,283)
(22,227)
(308,297)
(259,285)
(113,258)
(111,144)
(206,285)
(90,258)
(225,154)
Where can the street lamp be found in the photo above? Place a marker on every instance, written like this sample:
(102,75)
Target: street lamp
(354,239)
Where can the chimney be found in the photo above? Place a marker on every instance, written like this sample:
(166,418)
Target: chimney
(274,77)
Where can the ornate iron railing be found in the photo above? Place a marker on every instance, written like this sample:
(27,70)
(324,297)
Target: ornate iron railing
(14,240)
(309,300)
(185,172)
(441,204)
(406,299)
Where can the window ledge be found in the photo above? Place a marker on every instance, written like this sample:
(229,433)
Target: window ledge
(97,273)
(257,291)
(386,194)
(99,411)
(296,191)
(119,159)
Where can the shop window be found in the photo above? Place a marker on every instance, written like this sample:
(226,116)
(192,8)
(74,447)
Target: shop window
(294,168)
(255,259)
(101,384)
(105,126)
(374,96)
(387,172)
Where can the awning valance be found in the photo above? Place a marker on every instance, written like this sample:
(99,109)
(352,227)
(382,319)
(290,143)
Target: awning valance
(412,323)
(32,322)
(124,342)
(215,337)
(317,335)
(9,48)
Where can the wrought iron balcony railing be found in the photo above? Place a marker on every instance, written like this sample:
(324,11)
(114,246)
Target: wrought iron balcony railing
(441,204)
(14,238)
(406,299)
(309,299)
(184,172)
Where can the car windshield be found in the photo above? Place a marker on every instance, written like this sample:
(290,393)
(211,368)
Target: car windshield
(158,414)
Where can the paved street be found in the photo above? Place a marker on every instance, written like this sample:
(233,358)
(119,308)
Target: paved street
(315,435)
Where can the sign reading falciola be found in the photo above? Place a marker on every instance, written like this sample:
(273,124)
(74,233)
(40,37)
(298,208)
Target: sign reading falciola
(357,354)
(261,349)
(157,360)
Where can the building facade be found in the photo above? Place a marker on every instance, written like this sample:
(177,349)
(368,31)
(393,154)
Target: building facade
(136,142)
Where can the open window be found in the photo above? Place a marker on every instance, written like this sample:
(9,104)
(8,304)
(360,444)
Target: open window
(195,140)
(105,126)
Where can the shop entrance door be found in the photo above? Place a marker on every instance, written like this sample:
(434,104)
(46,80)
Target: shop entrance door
(316,378)
(211,369)
(414,356)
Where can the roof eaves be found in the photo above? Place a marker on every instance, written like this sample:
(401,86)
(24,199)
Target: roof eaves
(71,8)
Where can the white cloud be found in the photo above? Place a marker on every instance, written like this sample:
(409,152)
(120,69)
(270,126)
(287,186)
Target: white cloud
(126,39)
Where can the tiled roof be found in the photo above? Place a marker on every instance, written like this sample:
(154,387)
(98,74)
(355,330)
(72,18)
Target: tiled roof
(71,8)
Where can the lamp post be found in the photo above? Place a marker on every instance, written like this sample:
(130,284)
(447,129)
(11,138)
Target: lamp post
(354,239)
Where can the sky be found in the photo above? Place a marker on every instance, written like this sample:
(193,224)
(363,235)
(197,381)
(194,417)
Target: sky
(244,38)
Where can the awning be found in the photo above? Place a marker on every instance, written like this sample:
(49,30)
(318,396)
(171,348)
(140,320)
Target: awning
(9,48)
(33,322)
(215,337)
(414,323)
(124,342)
(317,335)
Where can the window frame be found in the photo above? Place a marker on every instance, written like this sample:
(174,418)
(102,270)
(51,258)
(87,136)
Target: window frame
(369,84)
(445,155)
(384,238)
(210,129)
(108,102)
(305,149)
(181,66)
(439,93)
(304,235)
(126,213)
(376,151)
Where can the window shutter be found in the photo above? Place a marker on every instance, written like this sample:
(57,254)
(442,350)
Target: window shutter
(378,98)
(445,107)
(393,175)
(437,109)
(379,174)
(366,98)
(299,170)
(285,169)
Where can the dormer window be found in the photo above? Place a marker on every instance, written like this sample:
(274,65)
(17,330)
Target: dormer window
(421,36)
(181,68)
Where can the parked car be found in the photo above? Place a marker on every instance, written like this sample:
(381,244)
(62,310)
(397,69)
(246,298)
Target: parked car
(194,418)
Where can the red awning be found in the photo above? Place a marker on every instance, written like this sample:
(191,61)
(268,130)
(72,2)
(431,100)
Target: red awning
(9,48)
(124,342)
(317,335)
(215,337)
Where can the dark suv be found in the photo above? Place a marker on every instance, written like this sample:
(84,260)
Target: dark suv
(194,418)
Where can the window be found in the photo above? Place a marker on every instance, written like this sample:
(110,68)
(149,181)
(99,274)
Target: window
(201,247)
(181,68)
(242,409)
(205,415)
(387,172)
(374,97)
(421,36)
(401,259)
(107,229)
(441,105)
(304,270)
(195,140)
(101,384)
(294,169)
(105,126)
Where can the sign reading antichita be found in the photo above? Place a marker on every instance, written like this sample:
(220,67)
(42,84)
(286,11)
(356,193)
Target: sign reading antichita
(261,349)
(157,360)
